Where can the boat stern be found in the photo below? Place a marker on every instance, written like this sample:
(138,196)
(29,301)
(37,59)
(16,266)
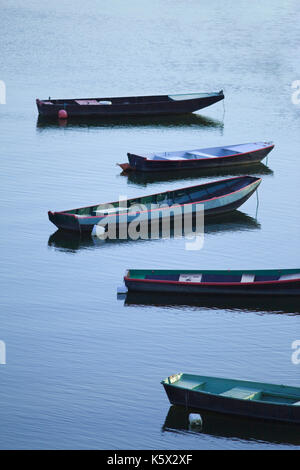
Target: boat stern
(136,162)
(38,104)
(64,221)
(256,182)
(125,166)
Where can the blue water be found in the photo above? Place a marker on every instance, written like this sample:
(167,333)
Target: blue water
(83,368)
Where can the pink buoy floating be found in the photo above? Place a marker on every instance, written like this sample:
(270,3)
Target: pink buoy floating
(62,114)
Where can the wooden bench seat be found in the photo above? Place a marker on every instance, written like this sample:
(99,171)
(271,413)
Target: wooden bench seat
(190,384)
(241,393)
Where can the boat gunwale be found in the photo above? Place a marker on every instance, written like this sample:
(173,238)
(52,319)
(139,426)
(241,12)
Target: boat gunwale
(256,180)
(220,271)
(51,102)
(201,159)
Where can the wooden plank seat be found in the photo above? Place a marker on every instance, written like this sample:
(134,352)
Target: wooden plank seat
(190,384)
(248,278)
(93,101)
(190,277)
(133,207)
(110,210)
(287,277)
(197,154)
(241,393)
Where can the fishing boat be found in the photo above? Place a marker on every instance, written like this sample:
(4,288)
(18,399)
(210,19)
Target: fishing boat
(236,397)
(213,157)
(242,282)
(213,198)
(128,105)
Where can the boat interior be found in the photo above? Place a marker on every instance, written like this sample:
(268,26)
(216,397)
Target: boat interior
(211,152)
(217,276)
(129,99)
(238,389)
(169,198)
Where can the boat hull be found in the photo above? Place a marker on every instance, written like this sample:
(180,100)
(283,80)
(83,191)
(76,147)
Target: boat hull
(217,403)
(211,207)
(291,288)
(139,163)
(274,282)
(141,108)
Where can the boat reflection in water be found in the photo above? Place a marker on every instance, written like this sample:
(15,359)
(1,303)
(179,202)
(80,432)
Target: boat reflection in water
(185,120)
(216,424)
(257,304)
(144,178)
(235,221)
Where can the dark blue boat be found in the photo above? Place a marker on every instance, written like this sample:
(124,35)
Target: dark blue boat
(213,157)
(127,105)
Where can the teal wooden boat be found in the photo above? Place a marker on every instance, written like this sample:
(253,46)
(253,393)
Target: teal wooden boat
(236,397)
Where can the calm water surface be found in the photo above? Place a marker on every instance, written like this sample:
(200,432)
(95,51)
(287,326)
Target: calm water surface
(84,367)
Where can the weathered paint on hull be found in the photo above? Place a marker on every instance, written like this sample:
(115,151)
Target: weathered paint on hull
(247,408)
(211,208)
(64,221)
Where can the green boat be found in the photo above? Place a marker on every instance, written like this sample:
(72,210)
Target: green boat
(210,282)
(236,397)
